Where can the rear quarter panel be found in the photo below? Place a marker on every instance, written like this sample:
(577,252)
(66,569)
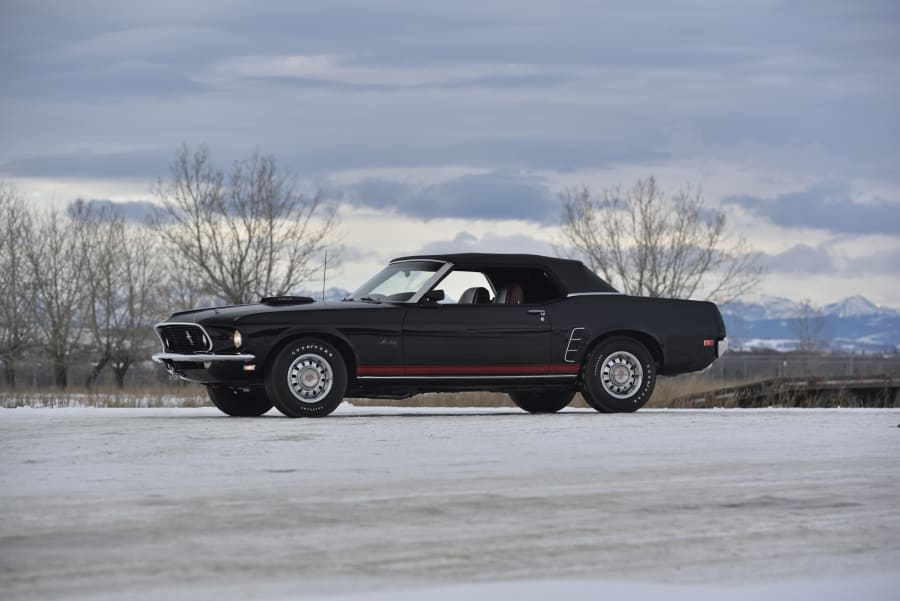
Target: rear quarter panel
(676,327)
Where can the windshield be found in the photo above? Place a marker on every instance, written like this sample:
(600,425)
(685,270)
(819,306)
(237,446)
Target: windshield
(398,282)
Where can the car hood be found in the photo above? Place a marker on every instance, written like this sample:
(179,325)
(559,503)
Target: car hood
(233,314)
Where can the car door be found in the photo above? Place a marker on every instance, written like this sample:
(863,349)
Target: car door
(478,340)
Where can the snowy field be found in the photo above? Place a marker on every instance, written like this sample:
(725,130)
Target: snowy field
(420,504)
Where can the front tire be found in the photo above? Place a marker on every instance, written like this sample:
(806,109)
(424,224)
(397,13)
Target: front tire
(307,379)
(239,401)
(619,376)
(550,401)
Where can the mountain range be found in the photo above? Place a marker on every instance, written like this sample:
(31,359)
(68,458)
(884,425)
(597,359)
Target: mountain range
(854,324)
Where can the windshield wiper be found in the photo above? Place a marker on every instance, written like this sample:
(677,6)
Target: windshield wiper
(369,299)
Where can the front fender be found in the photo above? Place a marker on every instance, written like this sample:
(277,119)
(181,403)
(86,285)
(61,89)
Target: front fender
(332,335)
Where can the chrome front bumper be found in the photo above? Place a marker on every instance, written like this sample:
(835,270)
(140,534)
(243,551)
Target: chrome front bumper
(201,358)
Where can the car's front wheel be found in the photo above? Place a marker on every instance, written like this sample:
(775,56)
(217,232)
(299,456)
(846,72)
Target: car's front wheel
(239,401)
(550,401)
(307,379)
(619,376)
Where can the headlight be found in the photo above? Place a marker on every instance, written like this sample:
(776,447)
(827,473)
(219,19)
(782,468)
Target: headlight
(237,339)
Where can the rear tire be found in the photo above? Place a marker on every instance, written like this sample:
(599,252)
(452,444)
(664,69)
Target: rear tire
(619,376)
(239,401)
(307,379)
(550,401)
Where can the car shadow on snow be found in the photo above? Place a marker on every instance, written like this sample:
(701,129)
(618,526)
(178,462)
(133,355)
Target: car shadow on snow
(383,415)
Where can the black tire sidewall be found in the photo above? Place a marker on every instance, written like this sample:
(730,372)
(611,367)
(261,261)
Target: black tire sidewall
(238,402)
(279,390)
(598,397)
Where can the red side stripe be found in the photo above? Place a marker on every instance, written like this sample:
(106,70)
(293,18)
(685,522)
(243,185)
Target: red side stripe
(466,370)
(565,368)
(379,370)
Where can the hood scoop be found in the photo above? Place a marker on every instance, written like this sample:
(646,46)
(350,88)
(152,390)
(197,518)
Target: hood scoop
(286,300)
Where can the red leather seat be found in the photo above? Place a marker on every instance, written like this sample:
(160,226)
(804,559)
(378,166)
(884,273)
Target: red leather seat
(510,295)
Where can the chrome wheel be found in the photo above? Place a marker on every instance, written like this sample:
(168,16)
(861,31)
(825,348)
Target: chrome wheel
(310,378)
(621,375)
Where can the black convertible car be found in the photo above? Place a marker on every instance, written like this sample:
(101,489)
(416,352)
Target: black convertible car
(538,328)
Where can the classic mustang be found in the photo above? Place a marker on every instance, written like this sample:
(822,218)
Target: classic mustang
(538,328)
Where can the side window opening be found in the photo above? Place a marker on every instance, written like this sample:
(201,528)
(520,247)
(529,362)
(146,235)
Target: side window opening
(466,287)
(499,285)
(535,284)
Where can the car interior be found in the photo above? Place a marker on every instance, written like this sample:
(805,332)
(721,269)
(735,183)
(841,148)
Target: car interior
(514,286)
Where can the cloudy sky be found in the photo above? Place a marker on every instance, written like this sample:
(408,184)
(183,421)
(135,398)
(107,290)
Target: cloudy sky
(456,125)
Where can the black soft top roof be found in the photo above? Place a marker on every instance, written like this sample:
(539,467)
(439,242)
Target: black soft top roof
(573,275)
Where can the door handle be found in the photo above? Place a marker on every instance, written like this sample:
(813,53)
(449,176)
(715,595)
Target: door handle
(540,312)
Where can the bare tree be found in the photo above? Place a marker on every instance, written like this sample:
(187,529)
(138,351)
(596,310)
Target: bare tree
(244,235)
(57,260)
(138,301)
(101,246)
(16,330)
(647,243)
(809,326)
(122,283)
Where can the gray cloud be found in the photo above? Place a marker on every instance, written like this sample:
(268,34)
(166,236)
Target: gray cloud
(499,152)
(601,82)
(467,242)
(352,254)
(313,161)
(883,262)
(827,259)
(828,206)
(494,195)
(536,80)
(799,259)
(104,83)
(140,164)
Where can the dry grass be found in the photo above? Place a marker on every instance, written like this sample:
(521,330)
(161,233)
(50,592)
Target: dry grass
(677,392)
(163,396)
(689,392)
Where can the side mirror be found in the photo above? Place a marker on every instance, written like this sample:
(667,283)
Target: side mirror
(433,297)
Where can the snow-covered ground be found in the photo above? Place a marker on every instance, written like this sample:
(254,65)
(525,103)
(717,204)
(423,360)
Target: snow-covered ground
(450,504)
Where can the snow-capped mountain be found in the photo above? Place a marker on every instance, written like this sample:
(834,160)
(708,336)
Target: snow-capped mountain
(857,306)
(763,306)
(852,324)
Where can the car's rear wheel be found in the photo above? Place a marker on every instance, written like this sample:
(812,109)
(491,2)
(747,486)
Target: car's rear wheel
(550,401)
(619,376)
(239,401)
(307,379)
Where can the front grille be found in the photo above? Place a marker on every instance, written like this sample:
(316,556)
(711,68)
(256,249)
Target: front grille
(184,338)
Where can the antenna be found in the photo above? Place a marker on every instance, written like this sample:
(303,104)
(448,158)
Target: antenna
(324,272)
